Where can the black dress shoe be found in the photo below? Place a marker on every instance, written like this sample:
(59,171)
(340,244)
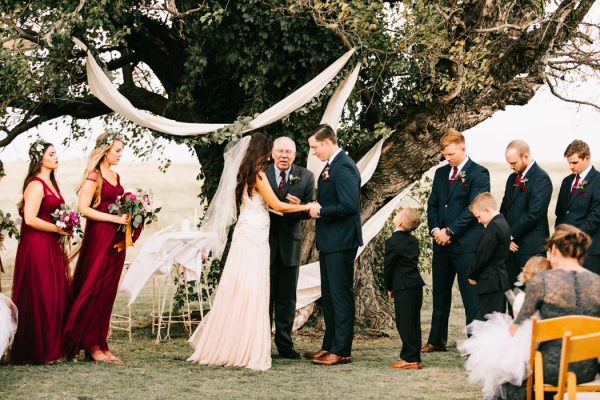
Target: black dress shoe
(289,353)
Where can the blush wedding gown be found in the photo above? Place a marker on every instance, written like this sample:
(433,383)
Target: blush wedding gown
(236,332)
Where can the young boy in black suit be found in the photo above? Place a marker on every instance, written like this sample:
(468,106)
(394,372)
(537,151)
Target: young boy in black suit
(405,285)
(488,273)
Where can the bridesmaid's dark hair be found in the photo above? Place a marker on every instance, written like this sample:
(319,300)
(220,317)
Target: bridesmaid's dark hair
(35,166)
(255,161)
(570,241)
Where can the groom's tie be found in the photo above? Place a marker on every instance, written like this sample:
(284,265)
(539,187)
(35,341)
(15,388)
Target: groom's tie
(282,183)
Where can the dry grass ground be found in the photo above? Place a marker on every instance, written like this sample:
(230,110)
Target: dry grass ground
(160,371)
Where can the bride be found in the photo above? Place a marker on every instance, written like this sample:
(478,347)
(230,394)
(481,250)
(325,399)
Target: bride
(237,332)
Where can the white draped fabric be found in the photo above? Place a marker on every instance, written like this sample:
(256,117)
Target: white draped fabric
(101,87)
(309,281)
(158,254)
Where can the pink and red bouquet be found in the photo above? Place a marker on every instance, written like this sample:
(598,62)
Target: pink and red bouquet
(139,205)
(69,221)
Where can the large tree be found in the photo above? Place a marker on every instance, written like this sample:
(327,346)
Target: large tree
(428,66)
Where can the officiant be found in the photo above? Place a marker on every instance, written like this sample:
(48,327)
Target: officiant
(293,184)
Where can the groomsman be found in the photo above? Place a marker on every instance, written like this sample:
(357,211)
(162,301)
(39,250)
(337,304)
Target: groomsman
(296,185)
(525,206)
(455,234)
(339,234)
(578,201)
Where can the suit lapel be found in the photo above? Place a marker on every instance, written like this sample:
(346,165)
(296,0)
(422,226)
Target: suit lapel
(287,184)
(271,177)
(512,193)
(457,182)
(590,177)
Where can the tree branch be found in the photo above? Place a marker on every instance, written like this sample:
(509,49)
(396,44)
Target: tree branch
(568,100)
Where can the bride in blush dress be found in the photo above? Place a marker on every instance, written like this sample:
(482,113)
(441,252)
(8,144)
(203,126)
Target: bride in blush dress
(237,331)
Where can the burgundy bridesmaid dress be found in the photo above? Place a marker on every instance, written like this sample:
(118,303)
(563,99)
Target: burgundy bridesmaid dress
(96,278)
(40,290)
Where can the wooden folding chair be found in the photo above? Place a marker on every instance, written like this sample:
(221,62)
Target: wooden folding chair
(577,348)
(551,329)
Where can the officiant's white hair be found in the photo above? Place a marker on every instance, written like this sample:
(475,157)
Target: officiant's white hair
(280,140)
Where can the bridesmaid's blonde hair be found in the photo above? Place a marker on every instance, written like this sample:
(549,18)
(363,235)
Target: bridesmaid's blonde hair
(104,143)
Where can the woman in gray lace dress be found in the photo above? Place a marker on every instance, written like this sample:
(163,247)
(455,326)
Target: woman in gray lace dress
(566,289)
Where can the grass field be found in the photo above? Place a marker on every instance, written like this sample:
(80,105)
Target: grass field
(159,371)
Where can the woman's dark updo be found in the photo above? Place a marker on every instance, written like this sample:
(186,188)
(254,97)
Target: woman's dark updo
(570,241)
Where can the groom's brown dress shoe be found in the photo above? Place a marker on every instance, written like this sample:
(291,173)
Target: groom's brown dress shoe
(406,365)
(430,348)
(315,355)
(331,359)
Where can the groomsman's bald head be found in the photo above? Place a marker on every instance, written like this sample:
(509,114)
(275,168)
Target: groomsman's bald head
(518,155)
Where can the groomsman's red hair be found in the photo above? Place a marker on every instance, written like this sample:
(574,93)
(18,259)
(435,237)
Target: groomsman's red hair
(451,137)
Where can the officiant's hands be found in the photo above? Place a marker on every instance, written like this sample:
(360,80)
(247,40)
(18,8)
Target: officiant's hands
(314,210)
(292,199)
(513,247)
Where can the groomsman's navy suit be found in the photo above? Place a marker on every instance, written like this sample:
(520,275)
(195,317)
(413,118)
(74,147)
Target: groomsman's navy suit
(285,241)
(525,208)
(582,209)
(339,235)
(448,206)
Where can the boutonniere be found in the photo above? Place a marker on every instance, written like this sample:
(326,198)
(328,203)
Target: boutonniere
(523,185)
(582,184)
(293,179)
(462,176)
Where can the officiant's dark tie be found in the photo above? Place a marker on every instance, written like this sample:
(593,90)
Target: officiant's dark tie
(517,182)
(575,184)
(453,177)
(282,183)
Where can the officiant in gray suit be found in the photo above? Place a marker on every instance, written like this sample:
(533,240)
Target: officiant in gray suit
(293,184)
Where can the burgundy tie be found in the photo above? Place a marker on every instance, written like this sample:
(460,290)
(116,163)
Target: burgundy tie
(517,182)
(453,177)
(282,183)
(575,184)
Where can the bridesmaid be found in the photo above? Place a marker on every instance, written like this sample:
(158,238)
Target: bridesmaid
(40,287)
(99,265)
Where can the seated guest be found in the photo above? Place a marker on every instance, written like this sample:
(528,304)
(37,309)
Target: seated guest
(488,274)
(566,289)
(405,285)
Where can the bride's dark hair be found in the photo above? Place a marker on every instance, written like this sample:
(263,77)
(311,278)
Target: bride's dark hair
(255,161)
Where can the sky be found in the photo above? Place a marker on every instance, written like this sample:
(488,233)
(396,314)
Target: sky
(547,123)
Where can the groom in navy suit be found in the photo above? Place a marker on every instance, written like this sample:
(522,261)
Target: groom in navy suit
(455,234)
(578,201)
(339,234)
(525,206)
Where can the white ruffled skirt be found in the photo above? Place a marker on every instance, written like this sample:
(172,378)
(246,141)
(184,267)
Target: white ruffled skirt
(494,356)
(8,322)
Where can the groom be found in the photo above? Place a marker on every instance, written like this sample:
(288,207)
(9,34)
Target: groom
(339,235)
(293,184)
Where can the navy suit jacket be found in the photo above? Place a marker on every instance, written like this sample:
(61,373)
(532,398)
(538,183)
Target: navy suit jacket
(489,269)
(448,206)
(338,227)
(401,262)
(526,209)
(582,208)
(285,233)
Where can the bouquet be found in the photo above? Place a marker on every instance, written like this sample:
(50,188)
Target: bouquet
(140,207)
(8,226)
(69,221)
